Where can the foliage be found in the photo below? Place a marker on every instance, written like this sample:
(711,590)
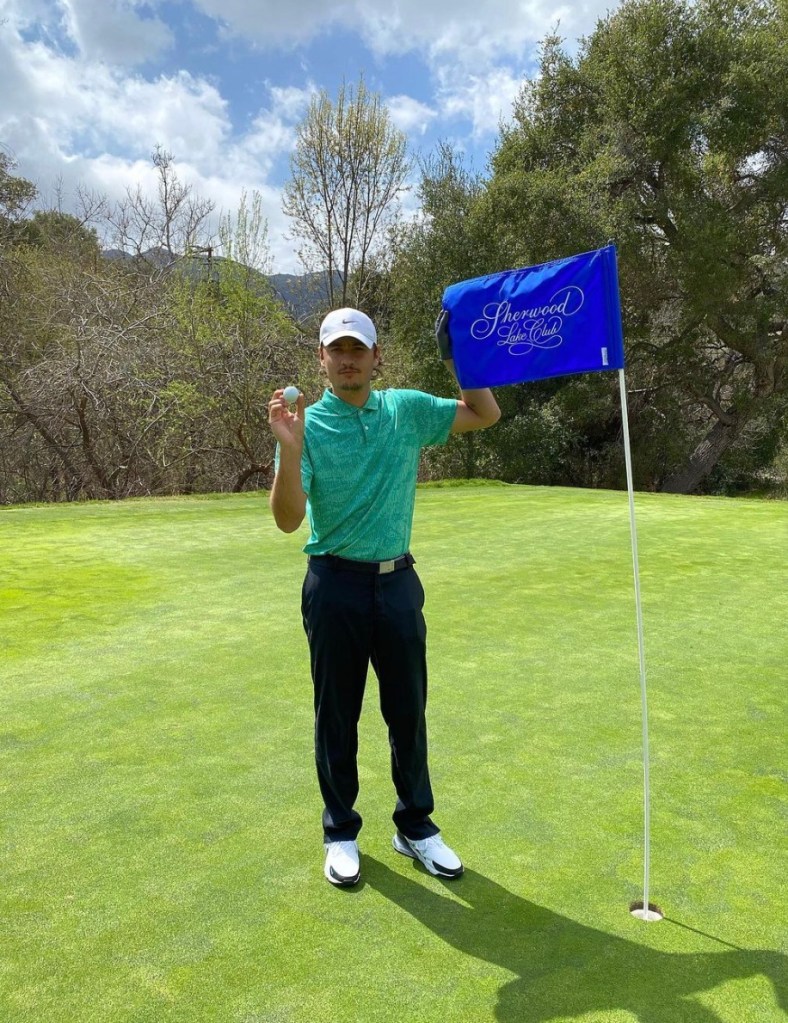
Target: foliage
(59,232)
(124,377)
(435,249)
(430,253)
(243,238)
(666,133)
(16,194)
(234,345)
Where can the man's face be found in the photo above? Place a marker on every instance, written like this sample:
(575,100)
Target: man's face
(349,364)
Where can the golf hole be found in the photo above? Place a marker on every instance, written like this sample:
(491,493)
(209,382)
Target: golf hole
(651,915)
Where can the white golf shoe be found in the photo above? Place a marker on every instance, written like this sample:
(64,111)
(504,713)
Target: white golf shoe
(433,852)
(342,865)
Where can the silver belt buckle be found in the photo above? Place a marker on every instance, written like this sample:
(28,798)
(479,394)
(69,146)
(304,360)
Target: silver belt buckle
(386,566)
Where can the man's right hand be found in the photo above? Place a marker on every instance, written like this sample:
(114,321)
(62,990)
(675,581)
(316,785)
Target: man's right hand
(287,426)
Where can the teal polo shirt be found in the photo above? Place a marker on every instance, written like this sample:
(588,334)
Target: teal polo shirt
(359,469)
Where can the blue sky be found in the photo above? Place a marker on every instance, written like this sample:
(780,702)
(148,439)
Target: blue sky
(89,87)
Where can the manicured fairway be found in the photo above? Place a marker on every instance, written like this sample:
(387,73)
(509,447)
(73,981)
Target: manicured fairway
(160,838)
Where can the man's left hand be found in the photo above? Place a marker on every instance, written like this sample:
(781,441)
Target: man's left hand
(442,335)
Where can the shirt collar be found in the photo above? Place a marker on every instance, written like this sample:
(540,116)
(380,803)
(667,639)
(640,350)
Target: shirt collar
(343,408)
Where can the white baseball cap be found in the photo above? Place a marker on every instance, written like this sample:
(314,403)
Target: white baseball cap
(348,323)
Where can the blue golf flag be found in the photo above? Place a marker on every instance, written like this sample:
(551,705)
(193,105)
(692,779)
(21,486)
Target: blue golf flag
(540,321)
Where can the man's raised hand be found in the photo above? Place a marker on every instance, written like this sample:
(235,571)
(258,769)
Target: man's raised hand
(287,425)
(442,335)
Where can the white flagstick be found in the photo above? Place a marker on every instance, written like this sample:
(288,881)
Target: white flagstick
(646,912)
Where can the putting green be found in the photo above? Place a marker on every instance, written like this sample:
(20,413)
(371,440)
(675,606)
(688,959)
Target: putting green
(161,846)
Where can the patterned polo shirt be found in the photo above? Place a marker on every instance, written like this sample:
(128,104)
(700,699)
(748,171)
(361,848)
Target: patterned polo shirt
(359,469)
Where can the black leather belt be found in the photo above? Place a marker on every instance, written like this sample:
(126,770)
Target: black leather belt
(375,567)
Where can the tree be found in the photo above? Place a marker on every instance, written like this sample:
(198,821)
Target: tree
(168,225)
(244,236)
(348,170)
(435,250)
(667,133)
(432,252)
(119,381)
(59,232)
(233,344)
(79,371)
(16,194)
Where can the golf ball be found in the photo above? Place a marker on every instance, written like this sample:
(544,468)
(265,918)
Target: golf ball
(291,394)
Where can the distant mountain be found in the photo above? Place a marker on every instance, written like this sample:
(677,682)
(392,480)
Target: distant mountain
(159,257)
(304,295)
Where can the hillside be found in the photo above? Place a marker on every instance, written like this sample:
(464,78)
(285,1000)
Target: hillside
(304,295)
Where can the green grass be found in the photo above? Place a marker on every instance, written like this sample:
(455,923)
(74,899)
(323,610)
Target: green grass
(160,838)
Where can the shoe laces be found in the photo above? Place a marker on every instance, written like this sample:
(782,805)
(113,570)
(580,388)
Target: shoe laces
(433,843)
(347,847)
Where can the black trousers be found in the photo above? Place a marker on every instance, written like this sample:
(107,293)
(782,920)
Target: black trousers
(353,619)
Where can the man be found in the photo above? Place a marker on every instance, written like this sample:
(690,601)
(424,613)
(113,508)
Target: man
(350,462)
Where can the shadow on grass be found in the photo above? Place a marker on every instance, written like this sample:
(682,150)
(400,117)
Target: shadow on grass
(564,968)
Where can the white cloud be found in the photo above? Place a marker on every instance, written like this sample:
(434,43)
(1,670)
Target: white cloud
(291,103)
(273,22)
(464,31)
(72,107)
(20,13)
(410,115)
(477,50)
(111,30)
(272,132)
(89,106)
(484,99)
(123,32)
(70,122)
